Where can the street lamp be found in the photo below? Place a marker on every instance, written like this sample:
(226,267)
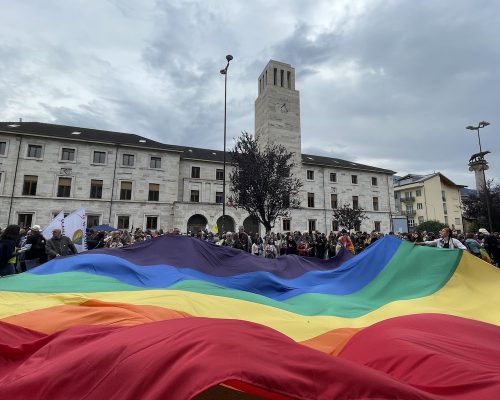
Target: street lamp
(479,126)
(223,71)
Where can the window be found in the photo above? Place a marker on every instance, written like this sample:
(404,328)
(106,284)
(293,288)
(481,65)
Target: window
(377,226)
(219,174)
(333,177)
(99,157)
(64,187)
(457,221)
(354,179)
(446,220)
(333,201)
(374,181)
(29,185)
(25,220)
(3,148)
(282,76)
(375,204)
(195,172)
(68,154)
(127,160)
(443,195)
(152,222)
(355,202)
(92,220)
(411,223)
(418,192)
(195,196)
(123,222)
(335,225)
(275,76)
(286,225)
(154,192)
(420,220)
(445,209)
(311,224)
(126,190)
(95,189)
(310,175)
(219,197)
(34,151)
(420,206)
(155,162)
(408,195)
(288,79)
(310,200)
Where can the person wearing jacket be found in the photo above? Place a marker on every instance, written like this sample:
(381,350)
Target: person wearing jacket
(59,245)
(9,241)
(446,241)
(35,255)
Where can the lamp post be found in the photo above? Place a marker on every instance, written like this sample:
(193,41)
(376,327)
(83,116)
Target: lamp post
(483,124)
(223,71)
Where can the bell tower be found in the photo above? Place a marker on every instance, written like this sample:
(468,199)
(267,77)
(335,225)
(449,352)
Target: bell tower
(277,108)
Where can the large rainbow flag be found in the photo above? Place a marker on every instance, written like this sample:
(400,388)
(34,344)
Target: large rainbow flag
(178,318)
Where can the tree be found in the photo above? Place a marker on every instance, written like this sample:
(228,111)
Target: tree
(430,226)
(349,217)
(476,211)
(262,180)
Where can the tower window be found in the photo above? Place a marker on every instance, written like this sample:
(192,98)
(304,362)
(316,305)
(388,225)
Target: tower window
(288,79)
(282,77)
(275,75)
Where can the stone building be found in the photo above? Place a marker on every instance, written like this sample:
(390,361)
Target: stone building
(130,181)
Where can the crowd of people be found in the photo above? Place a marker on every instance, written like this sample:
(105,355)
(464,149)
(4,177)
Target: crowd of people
(22,249)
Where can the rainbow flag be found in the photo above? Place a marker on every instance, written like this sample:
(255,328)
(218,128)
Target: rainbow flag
(178,318)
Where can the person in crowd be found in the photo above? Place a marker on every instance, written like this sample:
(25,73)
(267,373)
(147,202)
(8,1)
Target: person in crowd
(321,245)
(255,247)
(473,245)
(35,255)
(242,240)
(9,242)
(446,241)
(344,241)
(271,251)
(59,245)
(491,245)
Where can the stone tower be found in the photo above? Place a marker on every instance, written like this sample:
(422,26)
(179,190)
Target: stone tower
(478,164)
(277,109)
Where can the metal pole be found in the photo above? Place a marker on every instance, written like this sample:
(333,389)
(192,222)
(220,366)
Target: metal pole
(224,72)
(486,194)
(224,167)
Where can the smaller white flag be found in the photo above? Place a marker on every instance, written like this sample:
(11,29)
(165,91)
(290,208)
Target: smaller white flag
(74,227)
(56,223)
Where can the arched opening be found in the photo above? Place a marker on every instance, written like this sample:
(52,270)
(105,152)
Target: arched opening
(228,224)
(251,225)
(196,223)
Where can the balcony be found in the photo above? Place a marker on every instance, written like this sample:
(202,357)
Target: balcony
(409,213)
(407,199)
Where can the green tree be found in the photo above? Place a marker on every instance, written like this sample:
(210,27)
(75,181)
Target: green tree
(349,217)
(430,226)
(262,180)
(476,211)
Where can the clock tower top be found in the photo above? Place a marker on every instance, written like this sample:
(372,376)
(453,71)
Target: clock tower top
(277,108)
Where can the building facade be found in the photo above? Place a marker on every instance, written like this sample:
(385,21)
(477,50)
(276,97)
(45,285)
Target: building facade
(130,181)
(429,197)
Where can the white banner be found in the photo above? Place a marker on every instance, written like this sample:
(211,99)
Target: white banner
(56,223)
(74,227)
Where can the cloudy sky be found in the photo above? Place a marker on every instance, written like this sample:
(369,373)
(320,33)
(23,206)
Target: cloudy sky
(384,82)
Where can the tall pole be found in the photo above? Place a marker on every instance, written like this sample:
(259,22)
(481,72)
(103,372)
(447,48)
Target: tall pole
(483,124)
(224,72)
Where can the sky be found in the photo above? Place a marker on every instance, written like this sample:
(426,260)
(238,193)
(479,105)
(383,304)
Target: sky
(387,83)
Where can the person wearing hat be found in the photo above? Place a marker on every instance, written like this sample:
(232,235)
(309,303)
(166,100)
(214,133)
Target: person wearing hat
(35,255)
